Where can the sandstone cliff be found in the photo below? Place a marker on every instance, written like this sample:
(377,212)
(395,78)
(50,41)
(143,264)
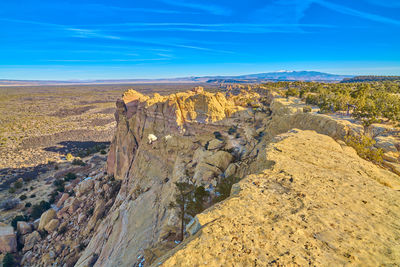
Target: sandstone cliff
(159,141)
(319,204)
(295,202)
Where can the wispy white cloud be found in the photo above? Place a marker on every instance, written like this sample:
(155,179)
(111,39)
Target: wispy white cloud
(361,14)
(205,7)
(292,11)
(108,60)
(86,33)
(80,32)
(222,27)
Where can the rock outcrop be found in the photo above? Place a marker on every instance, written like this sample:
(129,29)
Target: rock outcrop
(180,126)
(8,239)
(318,204)
(204,138)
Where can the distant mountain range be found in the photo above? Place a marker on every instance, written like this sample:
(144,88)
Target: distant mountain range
(249,78)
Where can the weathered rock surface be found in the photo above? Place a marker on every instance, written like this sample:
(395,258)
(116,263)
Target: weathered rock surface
(30,240)
(46,218)
(8,239)
(183,124)
(52,225)
(315,203)
(23,228)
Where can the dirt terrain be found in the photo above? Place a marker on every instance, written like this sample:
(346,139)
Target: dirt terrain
(41,125)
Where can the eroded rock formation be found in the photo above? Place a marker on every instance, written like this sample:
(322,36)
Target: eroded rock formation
(306,198)
(319,204)
(204,137)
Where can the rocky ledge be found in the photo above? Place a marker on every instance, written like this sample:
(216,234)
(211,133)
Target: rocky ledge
(319,204)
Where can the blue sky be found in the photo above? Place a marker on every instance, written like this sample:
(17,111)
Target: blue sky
(98,39)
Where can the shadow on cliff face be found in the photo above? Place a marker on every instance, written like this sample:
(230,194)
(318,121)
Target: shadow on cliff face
(78,148)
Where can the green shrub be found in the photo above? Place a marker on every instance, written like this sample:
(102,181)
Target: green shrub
(218,135)
(28,204)
(78,162)
(59,184)
(11,190)
(62,229)
(18,184)
(223,188)
(232,130)
(38,209)
(364,147)
(292,92)
(307,109)
(70,176)
(33,196)
(103,152)
(23,197)
(69,157)
(8,260)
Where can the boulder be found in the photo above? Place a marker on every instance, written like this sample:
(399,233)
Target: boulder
(205,172)
(97,214)
(73,205)
(220,159)
(8,239)
(215,144)
(46,218)
(30,240)
(84,187)
(62,200)
(23,228)
(231,170)
(52,225)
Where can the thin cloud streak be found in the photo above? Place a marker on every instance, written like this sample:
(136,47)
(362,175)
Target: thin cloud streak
(109,60)
(94,33)
(208,8)
(352,12)
(127,9)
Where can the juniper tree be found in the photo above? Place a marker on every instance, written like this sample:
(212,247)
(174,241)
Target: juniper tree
(189,201)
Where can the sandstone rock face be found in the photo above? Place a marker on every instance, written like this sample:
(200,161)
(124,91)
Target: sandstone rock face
(46,218)
(8,240)
(288,114)
(183,124)
(30,240)
(186,126)
(318,204)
